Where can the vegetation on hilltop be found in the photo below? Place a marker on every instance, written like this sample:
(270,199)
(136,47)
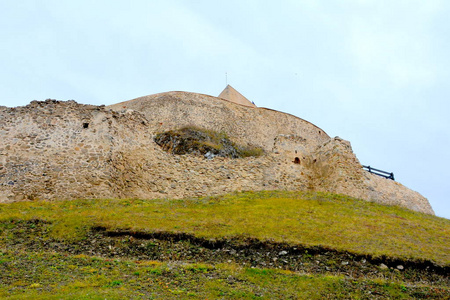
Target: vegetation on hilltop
(202,141)
(248,245)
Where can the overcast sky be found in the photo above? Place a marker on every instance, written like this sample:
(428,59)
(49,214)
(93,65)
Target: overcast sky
(373,72)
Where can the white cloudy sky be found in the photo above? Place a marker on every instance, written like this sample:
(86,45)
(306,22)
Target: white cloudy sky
(374,72)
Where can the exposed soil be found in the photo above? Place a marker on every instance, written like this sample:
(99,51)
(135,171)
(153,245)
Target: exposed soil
(166,246)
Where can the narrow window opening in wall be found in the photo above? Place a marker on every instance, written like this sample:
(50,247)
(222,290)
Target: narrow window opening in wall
(295,151)
(85,125)
(320,132)
(296,160)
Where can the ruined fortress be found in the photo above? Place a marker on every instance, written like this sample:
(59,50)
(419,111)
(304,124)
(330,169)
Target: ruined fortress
(62,150)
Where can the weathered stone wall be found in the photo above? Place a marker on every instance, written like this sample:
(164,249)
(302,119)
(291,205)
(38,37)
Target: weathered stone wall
(292,147)
(64,150)
(246,125)
(46,151)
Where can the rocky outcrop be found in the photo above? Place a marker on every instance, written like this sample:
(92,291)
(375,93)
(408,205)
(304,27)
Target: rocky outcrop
(65,150)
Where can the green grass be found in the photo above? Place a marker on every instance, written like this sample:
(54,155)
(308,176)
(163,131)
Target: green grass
(57,276)
(310,219)
(291,218)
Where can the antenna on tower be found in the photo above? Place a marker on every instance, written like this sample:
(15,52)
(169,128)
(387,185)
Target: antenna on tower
(226,78)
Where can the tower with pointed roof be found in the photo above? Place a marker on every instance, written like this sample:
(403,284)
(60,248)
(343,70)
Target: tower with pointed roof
(230,94)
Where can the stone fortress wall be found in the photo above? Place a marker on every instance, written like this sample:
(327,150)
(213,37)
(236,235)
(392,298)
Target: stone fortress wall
(56,149)
(249,125)
(61,150)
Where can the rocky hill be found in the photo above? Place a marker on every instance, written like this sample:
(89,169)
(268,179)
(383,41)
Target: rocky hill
(65,150)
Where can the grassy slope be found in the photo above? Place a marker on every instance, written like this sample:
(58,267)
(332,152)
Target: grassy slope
(57,276)
(308,219)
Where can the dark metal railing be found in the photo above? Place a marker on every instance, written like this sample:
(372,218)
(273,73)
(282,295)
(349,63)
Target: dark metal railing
(388,175)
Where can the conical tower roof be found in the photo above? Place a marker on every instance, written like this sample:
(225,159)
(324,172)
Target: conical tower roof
(230,94)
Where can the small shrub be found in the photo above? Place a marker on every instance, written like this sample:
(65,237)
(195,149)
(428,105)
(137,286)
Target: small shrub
(114,283)
(199,268)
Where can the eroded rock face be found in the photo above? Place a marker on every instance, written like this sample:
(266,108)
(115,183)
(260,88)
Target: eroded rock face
(64,150)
